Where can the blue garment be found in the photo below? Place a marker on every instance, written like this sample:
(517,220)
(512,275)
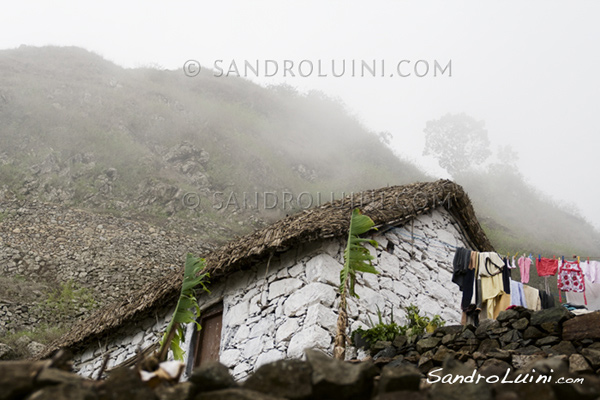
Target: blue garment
(517,296)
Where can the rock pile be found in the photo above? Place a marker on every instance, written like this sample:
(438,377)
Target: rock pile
(518,338)
(318,377)
(112,257)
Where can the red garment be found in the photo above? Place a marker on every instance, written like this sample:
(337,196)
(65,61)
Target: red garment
(546,266)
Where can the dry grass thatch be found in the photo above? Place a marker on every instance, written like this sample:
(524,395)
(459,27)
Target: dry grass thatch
(387,206)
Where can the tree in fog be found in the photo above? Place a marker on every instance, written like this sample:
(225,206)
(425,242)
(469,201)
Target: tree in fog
(458,141)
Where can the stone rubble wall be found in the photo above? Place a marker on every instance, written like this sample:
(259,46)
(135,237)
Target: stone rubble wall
(276,311)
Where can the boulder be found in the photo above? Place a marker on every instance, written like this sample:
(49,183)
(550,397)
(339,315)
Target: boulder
(211,376)
(285,378)
(335,379)
(400,378)
(552,315)
(585,326)
(429,343)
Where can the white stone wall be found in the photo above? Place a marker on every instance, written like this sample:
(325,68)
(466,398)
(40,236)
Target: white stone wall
(276,312)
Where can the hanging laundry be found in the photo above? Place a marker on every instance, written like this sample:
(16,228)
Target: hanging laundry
(506,276)
(532,296)
(546,266)
(517,296)
(490,264)
(460,264)
(502,304)
(571,279)
(524,265)
(513,265)
(491,290)
(546,299)
(594,271)
(592,295)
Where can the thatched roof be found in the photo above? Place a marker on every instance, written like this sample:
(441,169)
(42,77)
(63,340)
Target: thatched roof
(388,206)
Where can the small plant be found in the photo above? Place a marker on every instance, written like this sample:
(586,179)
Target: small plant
(418,325)
(379,331)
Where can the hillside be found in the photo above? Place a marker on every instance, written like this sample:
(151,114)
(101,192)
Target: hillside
(79,130)
(108,176)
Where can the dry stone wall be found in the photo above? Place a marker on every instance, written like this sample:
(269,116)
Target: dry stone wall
(276,310)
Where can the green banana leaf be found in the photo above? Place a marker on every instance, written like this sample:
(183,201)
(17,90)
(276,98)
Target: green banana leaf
(187,310)
(357,257)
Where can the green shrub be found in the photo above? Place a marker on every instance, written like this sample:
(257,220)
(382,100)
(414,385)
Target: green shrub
(417,325)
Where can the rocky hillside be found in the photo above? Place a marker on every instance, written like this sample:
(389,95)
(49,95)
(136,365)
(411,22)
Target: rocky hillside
(58,263)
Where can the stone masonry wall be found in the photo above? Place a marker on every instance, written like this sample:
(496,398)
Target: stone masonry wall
(275,311)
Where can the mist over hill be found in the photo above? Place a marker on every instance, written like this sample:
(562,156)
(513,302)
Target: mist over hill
(82,131)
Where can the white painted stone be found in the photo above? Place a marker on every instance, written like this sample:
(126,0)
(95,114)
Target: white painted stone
(323,268)
(432,265)
(391,297)
(332,247)
(88,355)
(371,249)
(230,357)
(401,289)
(381,239)
(352,308)
(253,347)
(447,236)
(392,238)
(370,299)
(287,330)
(268,357)
(386,283)
(322,316)
(389,265)
(254,308)
(370,280)
(296,270)
(309,337)
(241,369)
(312,293)
(121,358)
(239,282)
(283,273)
(242,334)
(439,292)
(263,326)
(137,339)
(428,305)
(237,314)
(417,269)
(401,254)
(284,287)
(400,316)
(250,294)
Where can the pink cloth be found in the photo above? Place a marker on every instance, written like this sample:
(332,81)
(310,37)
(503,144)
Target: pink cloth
(524,265)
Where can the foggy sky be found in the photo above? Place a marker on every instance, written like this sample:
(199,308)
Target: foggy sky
(528,69)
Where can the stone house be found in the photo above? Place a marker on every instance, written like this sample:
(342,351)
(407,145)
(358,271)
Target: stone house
(275,292)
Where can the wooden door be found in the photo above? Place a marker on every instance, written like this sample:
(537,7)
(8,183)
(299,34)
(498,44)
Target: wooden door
(209,337)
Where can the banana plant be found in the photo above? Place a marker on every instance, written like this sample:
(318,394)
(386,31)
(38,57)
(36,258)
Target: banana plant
(187,310)
(356,259)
